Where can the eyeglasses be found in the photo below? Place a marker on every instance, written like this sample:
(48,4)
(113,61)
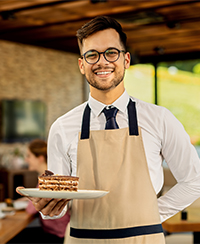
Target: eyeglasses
(111,55)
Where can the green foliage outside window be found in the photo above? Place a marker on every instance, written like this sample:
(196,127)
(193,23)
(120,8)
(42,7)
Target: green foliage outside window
(178,90)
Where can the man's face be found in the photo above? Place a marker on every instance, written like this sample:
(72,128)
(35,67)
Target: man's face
(104,75)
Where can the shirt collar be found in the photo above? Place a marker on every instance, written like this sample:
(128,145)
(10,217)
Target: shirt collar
(121,103)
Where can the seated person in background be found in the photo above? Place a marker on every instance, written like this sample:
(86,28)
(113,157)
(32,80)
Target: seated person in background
(51,231)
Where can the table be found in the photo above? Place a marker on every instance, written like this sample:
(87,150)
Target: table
(11,225)
(192,224)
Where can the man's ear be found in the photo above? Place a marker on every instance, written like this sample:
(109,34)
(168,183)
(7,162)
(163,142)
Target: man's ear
(81,66)
(127,60)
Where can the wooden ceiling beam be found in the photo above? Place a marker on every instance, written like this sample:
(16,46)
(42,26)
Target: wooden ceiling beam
(184,36)
(175,51)
(52,31)
(185,12)
(82,9)
(53,24)
(69,29)
(16,5)
(165,47)
(162,31)
(194,44)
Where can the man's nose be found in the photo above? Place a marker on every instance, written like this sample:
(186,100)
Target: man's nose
(102,59)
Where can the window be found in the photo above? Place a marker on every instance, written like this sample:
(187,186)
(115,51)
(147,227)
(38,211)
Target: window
(178,90)
(139,82)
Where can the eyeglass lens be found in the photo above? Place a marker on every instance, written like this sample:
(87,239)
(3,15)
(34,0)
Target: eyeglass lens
(111,55)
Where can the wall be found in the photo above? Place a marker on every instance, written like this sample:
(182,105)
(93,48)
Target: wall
(28,72)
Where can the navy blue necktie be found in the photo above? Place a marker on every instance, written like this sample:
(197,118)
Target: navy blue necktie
(110,114)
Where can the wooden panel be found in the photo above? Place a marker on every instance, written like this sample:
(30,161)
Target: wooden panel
(49,23)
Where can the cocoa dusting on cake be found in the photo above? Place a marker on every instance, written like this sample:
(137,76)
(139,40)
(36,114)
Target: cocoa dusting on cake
(50,182)
(48,172)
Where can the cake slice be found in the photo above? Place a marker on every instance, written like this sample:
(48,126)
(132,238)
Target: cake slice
(50,182)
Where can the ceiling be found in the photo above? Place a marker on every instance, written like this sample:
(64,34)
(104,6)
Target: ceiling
(156,30)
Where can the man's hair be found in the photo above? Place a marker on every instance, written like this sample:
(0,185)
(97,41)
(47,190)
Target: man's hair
(97,24)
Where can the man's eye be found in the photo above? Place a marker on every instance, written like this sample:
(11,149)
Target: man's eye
(111,52)
(91,55)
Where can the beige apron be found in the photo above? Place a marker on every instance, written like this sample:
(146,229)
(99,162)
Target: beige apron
(113,160)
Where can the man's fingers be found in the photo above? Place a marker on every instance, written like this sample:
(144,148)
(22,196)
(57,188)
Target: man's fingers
(54,207)
(61,206)
(17,190)
(47,206)
(40,203)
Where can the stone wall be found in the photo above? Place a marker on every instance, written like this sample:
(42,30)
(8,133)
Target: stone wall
(28,72)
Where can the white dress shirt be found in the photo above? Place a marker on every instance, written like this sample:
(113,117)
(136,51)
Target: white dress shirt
(163,137)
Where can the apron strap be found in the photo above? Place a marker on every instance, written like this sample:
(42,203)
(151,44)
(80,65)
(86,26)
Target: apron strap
(85,129)
(116,233)
(132,118)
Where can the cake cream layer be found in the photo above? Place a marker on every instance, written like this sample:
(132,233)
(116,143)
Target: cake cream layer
(58,177)
(60,182)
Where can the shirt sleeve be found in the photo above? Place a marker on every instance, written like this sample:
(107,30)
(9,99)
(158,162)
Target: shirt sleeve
(184,163)
(58,160)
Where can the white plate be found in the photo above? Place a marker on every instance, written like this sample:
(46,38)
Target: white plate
(80,194)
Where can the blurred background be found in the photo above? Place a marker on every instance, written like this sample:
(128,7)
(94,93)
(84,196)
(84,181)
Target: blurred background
(40,78)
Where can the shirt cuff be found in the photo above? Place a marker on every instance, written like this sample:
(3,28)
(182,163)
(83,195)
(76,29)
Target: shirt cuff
(55,216)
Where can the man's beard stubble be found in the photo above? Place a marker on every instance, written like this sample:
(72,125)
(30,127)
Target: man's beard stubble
(115,82)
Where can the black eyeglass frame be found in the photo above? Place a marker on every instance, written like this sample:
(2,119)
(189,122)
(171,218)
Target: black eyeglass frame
(99,54)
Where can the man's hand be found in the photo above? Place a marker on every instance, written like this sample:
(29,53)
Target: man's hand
(47,206)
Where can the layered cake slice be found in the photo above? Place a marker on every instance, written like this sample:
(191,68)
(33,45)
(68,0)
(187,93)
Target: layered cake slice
(50,182)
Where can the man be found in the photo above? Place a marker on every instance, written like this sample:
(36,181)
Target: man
(117,143)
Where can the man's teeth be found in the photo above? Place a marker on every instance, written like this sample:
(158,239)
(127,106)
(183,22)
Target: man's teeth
(104,73)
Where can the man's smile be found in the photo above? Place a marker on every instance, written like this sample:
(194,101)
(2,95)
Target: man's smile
(104,72)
